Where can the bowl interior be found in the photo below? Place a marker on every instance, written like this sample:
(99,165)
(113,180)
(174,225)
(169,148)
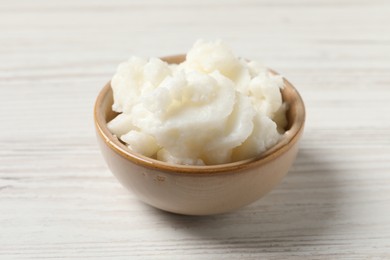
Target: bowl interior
(295,116)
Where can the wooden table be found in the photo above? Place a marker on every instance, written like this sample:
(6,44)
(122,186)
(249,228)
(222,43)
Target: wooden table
(58,200)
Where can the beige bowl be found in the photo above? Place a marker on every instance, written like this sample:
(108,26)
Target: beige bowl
(199,190)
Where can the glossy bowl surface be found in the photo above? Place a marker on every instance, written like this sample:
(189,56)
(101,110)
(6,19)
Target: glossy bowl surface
(199,190)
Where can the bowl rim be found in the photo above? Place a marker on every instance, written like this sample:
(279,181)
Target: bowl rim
(289,138)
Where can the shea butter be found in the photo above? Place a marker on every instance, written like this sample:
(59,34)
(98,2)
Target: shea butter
(213,108)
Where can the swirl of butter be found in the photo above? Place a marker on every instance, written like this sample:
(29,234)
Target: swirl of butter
(214,108)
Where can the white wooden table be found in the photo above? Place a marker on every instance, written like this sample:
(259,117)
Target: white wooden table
(58,200)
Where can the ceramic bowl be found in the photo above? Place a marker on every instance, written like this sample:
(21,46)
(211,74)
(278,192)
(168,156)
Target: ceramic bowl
(199,190)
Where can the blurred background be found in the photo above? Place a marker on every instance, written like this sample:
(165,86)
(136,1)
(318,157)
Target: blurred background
(69,49)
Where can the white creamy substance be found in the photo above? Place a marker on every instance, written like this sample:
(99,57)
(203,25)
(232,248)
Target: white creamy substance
(213,108)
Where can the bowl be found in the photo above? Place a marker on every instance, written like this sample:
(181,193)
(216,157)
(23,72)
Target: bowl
(199,190)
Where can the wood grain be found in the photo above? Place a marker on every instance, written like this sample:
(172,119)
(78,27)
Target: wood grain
(59,201)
